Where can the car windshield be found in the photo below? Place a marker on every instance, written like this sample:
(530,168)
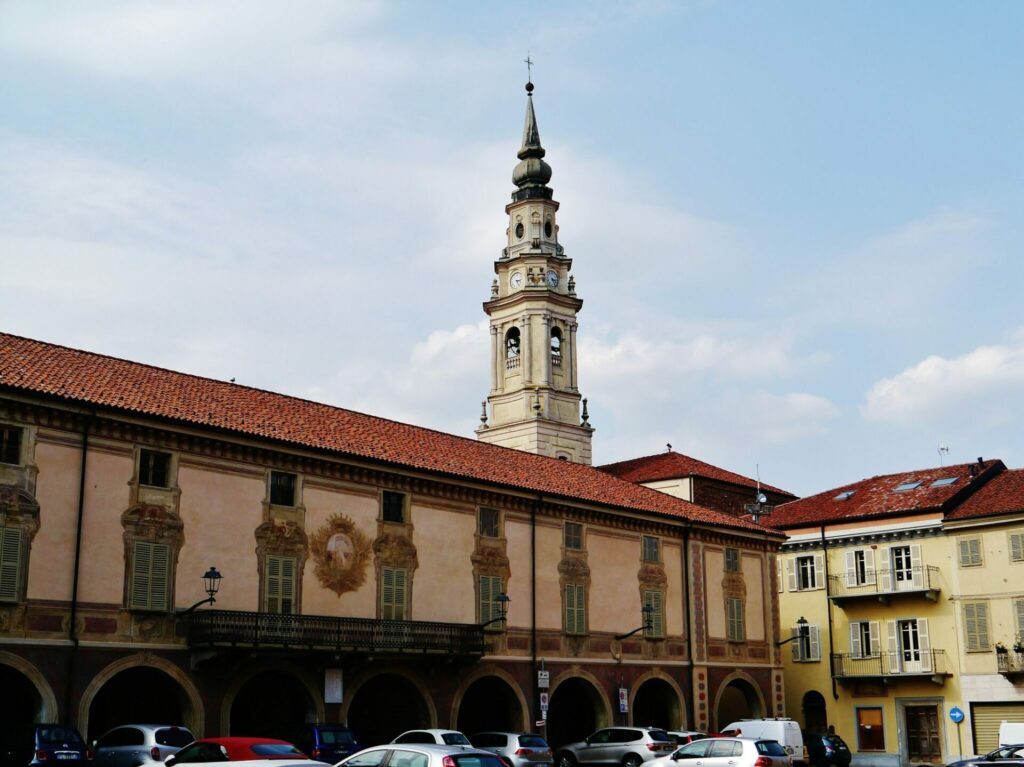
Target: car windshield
(660,735)
(201,752)
(276,750)
(455,739)
(532,741)
(175,737)
(834,740)
(59,735)
(770,748)
(337,737)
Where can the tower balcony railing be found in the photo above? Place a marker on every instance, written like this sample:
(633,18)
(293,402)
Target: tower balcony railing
(556,360)
(883,585)
(511,363)
(891,665)
(231,628)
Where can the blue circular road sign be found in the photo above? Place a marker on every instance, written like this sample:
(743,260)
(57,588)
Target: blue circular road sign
(956,714)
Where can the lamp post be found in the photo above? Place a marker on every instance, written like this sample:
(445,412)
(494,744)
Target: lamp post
(647,612)
(803,634)
(502,599)
(211,579)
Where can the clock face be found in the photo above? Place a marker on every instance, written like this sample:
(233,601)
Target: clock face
(516,280)
(552,278)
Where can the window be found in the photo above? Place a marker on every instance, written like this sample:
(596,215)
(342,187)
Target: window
(860,567)
(944,482)
(732,560)
(373,758)
(154,468)
(573,536)
(10,563)
(865,641)
(808,649)
(279,589)
(394,603)
(512,348)
(150,578)
(1017,547)
(575,608)
(808,573)
(392,506)
(907,486)
(656,601)
(490,607)
(649,549)
(725,747)
(10,444)
(1018,611)
(976,626)
(282,488)
(870,731)
(556,347)
(488,523)
(970,552)
(845,495)
(735,629)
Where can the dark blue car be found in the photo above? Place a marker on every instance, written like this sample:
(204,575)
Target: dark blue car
(328,743)
(56,744)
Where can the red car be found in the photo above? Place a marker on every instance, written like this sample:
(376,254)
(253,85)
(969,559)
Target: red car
(206,750)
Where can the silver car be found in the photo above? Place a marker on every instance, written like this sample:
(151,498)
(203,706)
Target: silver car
(726,752)
(132,745)
(421,755)
(516,749)
(441,737)
(628,746)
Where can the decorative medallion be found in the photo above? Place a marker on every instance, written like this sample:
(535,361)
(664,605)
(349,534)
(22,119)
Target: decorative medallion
(341,553)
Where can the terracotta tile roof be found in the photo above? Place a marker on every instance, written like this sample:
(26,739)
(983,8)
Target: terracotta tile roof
(1003,494)
(672,465)
(878,496)
(93,379)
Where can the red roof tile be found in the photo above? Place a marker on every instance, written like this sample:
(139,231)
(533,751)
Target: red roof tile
(94,379)
(672,465)
(878,496)
(1003,494)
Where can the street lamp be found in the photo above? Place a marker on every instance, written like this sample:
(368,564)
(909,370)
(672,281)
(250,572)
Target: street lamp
(502,599)
(211,579)
(647,612)
(803,633)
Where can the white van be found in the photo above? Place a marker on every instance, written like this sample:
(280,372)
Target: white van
(1011,733)
(784,730)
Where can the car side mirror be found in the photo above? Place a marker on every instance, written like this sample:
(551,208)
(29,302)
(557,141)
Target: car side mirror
(587,741)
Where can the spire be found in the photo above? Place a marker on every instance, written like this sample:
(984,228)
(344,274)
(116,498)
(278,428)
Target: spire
(532,174)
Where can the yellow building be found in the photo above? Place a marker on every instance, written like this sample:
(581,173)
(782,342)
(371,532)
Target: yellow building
(905,584)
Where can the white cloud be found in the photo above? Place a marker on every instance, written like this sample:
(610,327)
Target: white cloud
(987,382)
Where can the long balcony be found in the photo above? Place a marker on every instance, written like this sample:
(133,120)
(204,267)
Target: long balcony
(884,585)
(887,666)
(230,628)
(1010,664)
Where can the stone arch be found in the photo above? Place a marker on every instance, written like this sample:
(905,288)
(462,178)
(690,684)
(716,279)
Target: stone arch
(747,686)
(559,732)
(365,680)
(48,711)
(663,677)
(231,693)
(813,707)
(194,718)
(483,672)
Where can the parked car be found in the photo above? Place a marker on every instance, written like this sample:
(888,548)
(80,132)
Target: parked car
(781,729)
(826,750)
(439,737)
(422,755)
(736,752)
(516,749)
(132,745)
(215,750)
(325,742)
(1004,756)
(682,737)
(628,746)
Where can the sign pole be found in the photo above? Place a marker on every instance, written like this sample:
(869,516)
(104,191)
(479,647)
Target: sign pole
(957,715)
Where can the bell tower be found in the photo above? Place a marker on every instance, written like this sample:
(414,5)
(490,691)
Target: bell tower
(534,402)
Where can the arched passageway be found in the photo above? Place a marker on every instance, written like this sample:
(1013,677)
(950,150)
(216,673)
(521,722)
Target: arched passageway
(575,710)
(815,719)
(385,706)
(490,704)
(271,703)
(20,703)
(138,694)
(738,700)
(657,704)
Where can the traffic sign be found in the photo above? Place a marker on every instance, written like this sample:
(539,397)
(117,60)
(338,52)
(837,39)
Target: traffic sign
(956,714)
(623,700)
(543,701)
(543,679)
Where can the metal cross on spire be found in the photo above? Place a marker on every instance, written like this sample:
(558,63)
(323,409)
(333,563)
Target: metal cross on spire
(529,67)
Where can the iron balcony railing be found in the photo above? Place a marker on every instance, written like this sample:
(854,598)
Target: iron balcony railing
(890,664)
(1010,663)
(883,583)
(251,629)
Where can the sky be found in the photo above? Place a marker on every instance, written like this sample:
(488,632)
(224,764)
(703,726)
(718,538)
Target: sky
(795,226)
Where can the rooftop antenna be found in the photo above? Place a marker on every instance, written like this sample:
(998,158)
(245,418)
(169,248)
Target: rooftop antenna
(668,447)
(943,450)
(760,507)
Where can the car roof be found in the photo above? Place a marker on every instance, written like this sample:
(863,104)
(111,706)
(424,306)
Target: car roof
(441,749)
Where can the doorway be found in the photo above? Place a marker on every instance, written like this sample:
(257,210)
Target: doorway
(923,737)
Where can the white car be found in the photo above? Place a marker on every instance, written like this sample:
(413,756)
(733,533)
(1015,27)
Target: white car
(440,737)
(726,752)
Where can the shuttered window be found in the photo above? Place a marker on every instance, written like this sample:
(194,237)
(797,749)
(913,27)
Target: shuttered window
(1018,612)
(807,649)
(490,607)
(150,576)
(806,573)
(976,625)
(970,552)
(279,589)
(1017,547)
(656,601)
(575,609)
(394,594)
(735,628)
(865,639)
(10,563)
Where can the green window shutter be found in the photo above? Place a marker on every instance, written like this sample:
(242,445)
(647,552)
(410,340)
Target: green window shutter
(1017,547)
(575,609)
(393,590)
(734,614)
(150,576)
(279,589)
(656,601)
(10,563)
(490,587)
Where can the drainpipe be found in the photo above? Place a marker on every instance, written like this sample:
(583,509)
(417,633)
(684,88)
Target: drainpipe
(688,699)
(72,630)
(828,609)
(533,611)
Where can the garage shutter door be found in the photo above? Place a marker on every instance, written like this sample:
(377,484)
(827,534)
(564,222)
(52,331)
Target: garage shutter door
(985,720)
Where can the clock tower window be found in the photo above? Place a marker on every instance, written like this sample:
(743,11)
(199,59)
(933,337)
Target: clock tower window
(556,347)
(512,348)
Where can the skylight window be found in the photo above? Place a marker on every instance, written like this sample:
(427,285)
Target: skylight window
(908,486)
(943,482)
(845,495)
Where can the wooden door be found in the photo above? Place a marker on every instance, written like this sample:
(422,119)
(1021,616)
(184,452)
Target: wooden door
(923,734)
